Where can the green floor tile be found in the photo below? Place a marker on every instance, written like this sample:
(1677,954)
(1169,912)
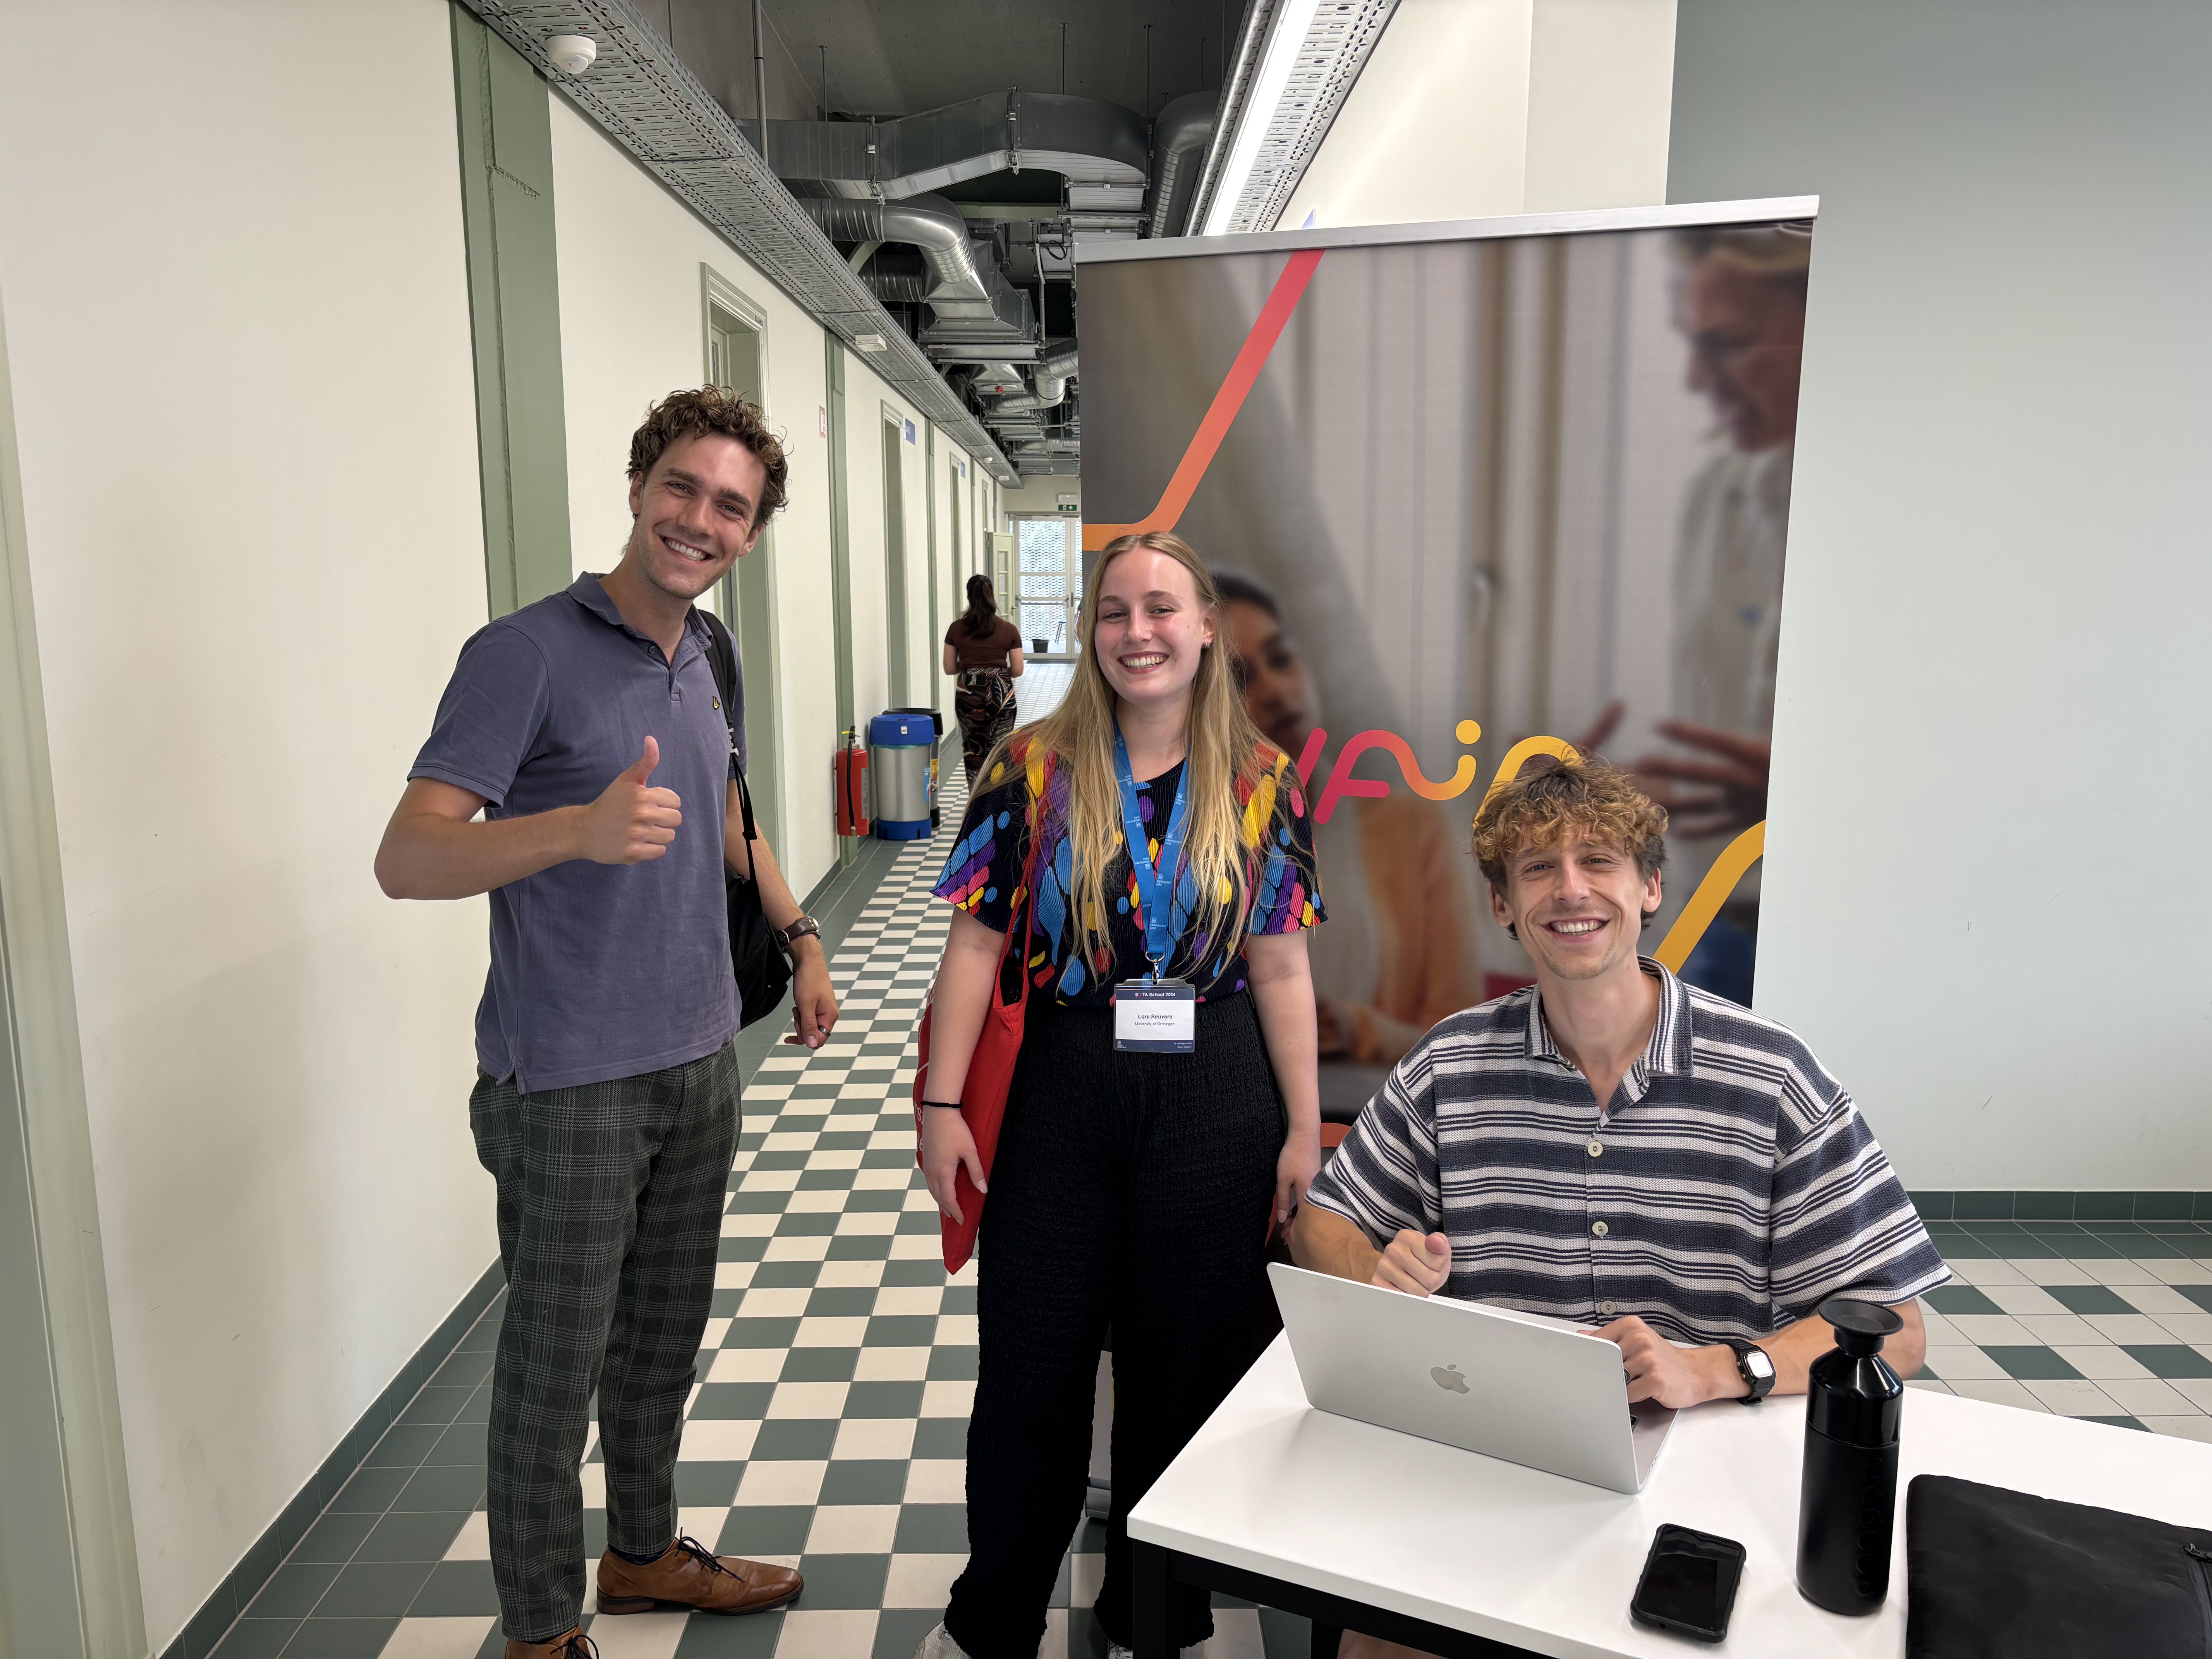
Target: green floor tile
(883,1399)
(778,1158)
(371,1491)
(879,1202)
(2089,1298)
(726,1401)
(820,1365)
(256,1638)
(436,1405)
(2035,1364)
(761,1333)
(463,1445)
(2114,1422)
(726,1302)
(293,1590)
(348,1638)
(941,1438)
(766,1530)
(861,1247)
(333,1540)
(443,1486)
(708,1486)
(958,1299)
(455,1590)
(753,1637)
(864,1480)
(2200,1294)
(842,1581)
(372,1589)
(411,1537)
(403,1447)
(899,1632)
(464,1370)
(795,1439)
(2155,1247)
(932,1529)
(477,1409)
(2169,1359)
(957,1364)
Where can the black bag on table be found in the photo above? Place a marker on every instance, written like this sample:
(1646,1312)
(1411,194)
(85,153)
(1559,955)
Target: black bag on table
(764,972)
(1992,1574)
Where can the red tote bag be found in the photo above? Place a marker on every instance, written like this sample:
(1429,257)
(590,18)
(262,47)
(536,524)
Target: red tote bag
(991,1068)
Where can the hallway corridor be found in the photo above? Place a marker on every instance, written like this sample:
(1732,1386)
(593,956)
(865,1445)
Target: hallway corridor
(827,1428)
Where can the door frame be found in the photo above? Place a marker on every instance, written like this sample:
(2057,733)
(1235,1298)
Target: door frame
(898,622)
(749,596)
(68,1556)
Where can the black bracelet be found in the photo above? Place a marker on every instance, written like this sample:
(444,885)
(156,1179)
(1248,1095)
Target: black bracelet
(943,1105)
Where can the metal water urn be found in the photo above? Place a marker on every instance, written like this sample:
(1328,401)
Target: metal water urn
(1847,1507)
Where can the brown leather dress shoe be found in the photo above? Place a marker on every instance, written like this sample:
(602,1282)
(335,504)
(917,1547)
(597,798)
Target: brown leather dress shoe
(690,1575)
(574,1645)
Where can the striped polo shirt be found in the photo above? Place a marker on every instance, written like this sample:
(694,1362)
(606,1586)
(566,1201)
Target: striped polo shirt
(1731,1188)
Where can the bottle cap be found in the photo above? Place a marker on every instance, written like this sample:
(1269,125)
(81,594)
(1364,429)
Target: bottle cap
(1860,1327)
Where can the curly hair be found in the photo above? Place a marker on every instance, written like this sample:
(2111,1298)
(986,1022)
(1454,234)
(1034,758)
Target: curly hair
(716,410)
(1592,798)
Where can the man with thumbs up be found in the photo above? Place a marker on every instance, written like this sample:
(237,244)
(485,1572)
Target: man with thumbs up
(588,730)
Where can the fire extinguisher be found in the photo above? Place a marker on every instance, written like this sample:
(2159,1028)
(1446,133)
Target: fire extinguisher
(851,786)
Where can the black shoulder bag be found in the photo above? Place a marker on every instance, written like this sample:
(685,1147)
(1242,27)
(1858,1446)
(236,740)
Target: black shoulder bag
(763,973)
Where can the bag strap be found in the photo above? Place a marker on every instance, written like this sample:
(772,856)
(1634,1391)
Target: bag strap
(722,663)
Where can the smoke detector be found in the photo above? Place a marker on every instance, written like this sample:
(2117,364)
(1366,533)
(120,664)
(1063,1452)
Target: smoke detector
(870,342)
(572,54)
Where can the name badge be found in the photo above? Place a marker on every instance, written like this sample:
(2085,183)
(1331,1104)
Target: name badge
(1156,1016)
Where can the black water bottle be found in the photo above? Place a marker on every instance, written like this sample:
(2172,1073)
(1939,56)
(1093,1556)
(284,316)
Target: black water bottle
(1847,1509)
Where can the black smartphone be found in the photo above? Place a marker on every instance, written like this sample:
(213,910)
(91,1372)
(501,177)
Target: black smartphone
(1689,1583)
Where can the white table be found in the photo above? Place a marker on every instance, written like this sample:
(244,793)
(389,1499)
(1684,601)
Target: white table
(1467,1556)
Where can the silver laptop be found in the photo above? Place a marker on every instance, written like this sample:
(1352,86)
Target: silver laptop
(1521,1386)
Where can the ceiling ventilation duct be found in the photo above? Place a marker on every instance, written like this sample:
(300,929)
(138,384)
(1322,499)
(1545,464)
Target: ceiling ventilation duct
(1179,140)
(977,312)
(641,95)
(1055,368)
(1087,141)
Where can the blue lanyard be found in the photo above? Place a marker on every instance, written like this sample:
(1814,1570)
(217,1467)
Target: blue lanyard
(1155,897)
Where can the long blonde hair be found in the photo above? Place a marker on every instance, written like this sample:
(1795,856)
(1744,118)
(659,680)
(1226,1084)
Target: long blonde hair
(1225,749)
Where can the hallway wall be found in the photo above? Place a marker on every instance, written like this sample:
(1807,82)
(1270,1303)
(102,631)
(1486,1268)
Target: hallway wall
(239,333)
(1989,707)
(632,332)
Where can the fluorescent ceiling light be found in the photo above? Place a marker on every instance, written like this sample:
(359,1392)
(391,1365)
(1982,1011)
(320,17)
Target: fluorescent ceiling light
(1292,19)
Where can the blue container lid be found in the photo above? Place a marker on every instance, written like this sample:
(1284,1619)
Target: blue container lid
(901,732)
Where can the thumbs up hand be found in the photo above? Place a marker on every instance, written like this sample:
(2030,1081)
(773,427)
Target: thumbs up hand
(632,823)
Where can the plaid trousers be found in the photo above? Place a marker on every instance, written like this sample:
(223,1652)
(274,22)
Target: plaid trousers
(611,1198)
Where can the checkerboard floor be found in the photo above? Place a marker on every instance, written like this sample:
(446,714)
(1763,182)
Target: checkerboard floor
(829,1426)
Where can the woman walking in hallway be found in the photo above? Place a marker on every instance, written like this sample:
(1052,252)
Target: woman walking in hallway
(1142,1159)
(985,650)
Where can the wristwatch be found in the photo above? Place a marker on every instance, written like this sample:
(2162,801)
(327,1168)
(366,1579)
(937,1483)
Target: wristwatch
(785,938)
(1756,1367)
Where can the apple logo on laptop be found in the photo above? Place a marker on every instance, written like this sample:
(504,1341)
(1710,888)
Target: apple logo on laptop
(1449,1379)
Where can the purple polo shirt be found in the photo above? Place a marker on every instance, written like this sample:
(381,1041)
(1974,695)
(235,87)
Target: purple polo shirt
(598,971)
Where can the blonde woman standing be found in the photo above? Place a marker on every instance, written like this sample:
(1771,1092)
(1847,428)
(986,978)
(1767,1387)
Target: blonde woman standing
(1165,1108)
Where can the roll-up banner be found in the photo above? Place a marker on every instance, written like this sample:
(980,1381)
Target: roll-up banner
(1475,494)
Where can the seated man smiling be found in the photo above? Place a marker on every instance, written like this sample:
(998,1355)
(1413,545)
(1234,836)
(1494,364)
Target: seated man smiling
(1614,1147)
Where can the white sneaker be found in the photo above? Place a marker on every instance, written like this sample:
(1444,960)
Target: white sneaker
(939,1644)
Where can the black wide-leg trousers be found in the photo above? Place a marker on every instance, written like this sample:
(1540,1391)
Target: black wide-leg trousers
(1129,1190)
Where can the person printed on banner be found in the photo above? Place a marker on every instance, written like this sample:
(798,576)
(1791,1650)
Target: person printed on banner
(1164,1118)
(984,650)
(1400,954)
(1740,302)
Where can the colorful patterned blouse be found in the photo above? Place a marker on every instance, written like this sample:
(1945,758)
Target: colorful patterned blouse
(984,873)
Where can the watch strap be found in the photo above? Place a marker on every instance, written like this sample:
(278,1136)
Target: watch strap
(785,937)
(1760,1387)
